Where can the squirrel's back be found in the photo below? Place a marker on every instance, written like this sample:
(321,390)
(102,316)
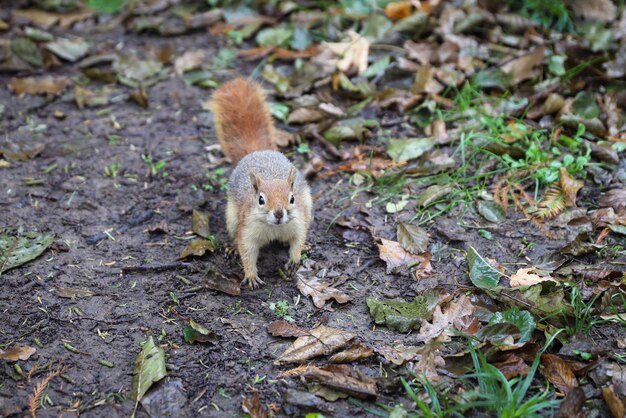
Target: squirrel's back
(243,123)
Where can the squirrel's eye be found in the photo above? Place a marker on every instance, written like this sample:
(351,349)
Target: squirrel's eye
(292,200)
(261,200)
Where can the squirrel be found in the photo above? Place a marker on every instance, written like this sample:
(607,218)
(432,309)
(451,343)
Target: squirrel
(268,199)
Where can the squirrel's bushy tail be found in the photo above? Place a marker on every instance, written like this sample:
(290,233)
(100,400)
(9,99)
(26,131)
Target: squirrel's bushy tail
(243,123)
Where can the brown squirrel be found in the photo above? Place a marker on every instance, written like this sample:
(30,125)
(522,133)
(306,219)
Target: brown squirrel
(268,198)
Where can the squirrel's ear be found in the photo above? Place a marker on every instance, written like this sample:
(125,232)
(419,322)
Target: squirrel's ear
(256,182)
(292,177)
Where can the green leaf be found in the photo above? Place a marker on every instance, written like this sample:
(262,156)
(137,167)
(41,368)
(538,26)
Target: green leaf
(491,211)
(17,250)
(556,65)
(27,50)
(378,68)
(106,6)
(195,332)
(482,273)
(279,36)
(301,38)
(403,316)
(585,105)
(149,368)
(409,149)
(279,111)
(491,78)
(498,327)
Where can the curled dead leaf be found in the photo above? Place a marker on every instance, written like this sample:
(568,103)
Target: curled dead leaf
(321,340)
(523,277)
(16,353)
(558,373)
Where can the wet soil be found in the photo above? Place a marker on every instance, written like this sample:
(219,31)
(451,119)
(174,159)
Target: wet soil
(82,207)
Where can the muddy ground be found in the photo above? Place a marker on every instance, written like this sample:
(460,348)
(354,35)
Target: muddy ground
(77,202)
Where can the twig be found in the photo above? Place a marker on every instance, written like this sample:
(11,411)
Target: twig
(155,267)
(132,222)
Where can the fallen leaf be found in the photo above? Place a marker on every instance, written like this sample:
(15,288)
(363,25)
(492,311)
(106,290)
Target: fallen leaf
(190,60)
(197,247)
(412,238)
(616,404)
(429,361)
(88,98)
(16,353)
(403,316)
(523,68)
(598,10)
(512,366)
(523,277)
(227,284)
(570,187)
(392,253)
(397,10)
(149,368)
(320,292)
(457,315)
(253,406)
(303,115)
(20,249)
(352,55)
(200,224)
(355,352)
(572,405)
(38,85)
(322,340)
(285,329)
(195,332)
(27,51)
(73,292)
(21,151)
(339,377)
(558,373)
(614,198)
(400,354)
(69,49)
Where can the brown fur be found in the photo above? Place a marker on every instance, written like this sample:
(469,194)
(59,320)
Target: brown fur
(242,119)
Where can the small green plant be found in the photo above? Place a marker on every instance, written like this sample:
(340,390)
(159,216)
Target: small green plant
(303,148)
(216,179)
(112,170)
(281,309)
(154,167)
(549,14)
(584,312)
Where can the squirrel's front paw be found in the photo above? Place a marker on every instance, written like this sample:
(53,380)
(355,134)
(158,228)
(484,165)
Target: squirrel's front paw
(291,267)
(253,281)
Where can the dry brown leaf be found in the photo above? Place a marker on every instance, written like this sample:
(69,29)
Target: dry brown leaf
(570,187)
(46,20)
(339,377)
(400,354)
(454,315)
(598,10)
(200,224)
(572,405)
(429,361)
(322,340)
(73,292)
(197,247)
(392,253)
(523,68)
(558,373)
(355,352)
(615,198)
(425,81)
(16,353)
(398,9)
(253,407)
(38,85)
(512,366)
(285,329)
(284,138)
(523,277)
(616,404)
(351,55)
(222,283)
(320,292)
(304,115)
(190,60)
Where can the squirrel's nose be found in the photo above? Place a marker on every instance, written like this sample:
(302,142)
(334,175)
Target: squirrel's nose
(278,214)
